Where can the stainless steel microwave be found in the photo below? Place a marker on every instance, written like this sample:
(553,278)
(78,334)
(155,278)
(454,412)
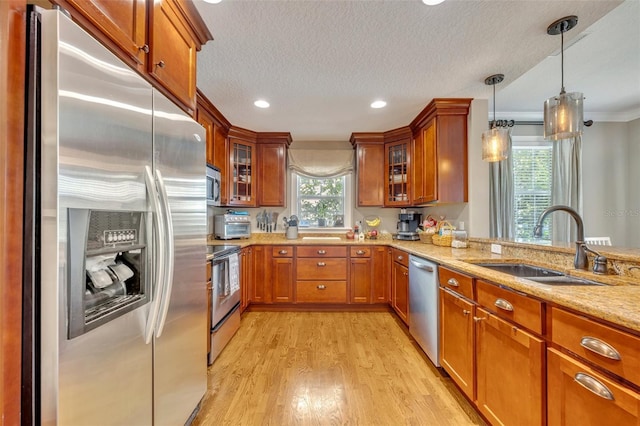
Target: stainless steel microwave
(214,187)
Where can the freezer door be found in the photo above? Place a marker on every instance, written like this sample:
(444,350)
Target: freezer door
(95,142)
(180,346)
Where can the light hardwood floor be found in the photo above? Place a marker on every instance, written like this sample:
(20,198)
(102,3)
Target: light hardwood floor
(328,368)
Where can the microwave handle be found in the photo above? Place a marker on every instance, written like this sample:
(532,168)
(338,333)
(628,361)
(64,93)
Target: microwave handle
(170,255)
(216,190)
(159,259)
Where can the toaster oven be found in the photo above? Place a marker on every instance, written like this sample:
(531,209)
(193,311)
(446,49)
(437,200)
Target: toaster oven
(228,226)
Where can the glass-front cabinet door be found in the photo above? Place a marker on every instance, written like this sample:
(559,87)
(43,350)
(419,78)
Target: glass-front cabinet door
(242,191)
(397,170)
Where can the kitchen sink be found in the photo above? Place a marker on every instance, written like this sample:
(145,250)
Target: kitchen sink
(563,280)
(521,270)
(537,274)
(320,238)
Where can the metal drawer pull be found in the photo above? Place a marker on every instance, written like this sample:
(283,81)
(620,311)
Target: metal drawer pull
(400,257)
(465,312)
(593,385)
(322,252)
(453,282)
(478,319)
(283,252)
(360,252)
(321,287)
(600,347)
(322,264)
(504,305)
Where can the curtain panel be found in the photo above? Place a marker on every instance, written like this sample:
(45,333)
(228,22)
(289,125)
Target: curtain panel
(501,197)
(566,186)
(321,163)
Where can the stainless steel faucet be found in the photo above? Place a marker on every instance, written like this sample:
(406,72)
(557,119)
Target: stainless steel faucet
(580,261)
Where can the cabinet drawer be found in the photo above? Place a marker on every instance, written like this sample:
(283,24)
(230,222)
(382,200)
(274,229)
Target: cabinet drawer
(510,305)
(360,251)
(322,251)
(578,395)
(321,269)
(400,256)
(321,292)
(612,349)
(461,284)
(282,251)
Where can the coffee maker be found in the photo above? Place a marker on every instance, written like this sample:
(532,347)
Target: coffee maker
(407,224)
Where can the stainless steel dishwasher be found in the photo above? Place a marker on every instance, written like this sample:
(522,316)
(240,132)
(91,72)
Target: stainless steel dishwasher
(424,318)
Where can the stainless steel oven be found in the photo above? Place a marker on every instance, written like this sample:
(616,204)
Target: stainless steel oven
(225,306)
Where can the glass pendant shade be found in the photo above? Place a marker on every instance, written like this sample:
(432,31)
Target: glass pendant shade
(495,144)
(563,116)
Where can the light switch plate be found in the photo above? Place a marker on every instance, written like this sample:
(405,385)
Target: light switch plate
(496,248)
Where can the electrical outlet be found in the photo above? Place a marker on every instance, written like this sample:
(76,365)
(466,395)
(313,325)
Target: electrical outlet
(496,248)
(461,226)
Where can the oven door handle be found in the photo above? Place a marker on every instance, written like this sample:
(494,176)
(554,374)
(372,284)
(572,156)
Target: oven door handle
(168,274)
(158,256)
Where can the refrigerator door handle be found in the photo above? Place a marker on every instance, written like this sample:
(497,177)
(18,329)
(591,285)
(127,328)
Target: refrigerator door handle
(159,257)
(168,274)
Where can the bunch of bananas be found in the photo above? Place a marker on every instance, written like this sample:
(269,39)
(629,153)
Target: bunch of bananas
(372,221)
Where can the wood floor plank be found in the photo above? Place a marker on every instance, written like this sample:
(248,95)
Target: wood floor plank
(328,368)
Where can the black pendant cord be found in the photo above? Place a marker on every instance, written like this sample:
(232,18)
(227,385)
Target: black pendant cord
(562,62)
(494,105)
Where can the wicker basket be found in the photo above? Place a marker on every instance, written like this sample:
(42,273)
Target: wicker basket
(443,240)
(426,237)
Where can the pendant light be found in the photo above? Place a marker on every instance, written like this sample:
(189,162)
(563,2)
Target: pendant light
(563,114)
(495,141)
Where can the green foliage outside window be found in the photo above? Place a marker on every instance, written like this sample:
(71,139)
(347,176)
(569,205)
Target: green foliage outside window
(320,200)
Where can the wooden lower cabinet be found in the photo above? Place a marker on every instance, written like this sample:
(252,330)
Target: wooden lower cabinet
(509,372)
(282,279)
(457,337)
(577,395)
(246,276)
(400,291)
(258,290)
(360,272)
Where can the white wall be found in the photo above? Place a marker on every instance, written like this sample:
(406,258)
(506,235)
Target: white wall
(605,181)
(633,179)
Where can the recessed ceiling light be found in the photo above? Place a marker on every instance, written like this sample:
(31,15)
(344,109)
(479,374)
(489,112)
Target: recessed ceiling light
(261,103)
(432,2)
(378,104)
(212,1)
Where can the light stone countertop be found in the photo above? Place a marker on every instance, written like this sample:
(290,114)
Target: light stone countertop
(618,302)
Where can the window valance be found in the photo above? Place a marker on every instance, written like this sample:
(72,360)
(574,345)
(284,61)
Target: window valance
(321,163)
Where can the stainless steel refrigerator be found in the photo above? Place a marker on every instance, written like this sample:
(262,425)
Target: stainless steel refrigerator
(120,237)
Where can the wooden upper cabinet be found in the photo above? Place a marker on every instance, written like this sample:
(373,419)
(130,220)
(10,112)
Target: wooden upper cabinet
(272,168)
(158,38)
(439,162)
(206,120)
(123,22)
(425,178)
(370,169)
(217,129)
(172,54)
(397,168)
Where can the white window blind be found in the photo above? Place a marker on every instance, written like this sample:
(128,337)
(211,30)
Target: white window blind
(532,170)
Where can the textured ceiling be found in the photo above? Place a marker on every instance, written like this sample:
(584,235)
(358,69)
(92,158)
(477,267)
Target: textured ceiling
(321,63)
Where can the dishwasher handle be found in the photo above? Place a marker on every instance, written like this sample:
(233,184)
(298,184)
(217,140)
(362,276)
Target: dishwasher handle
(421,266)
